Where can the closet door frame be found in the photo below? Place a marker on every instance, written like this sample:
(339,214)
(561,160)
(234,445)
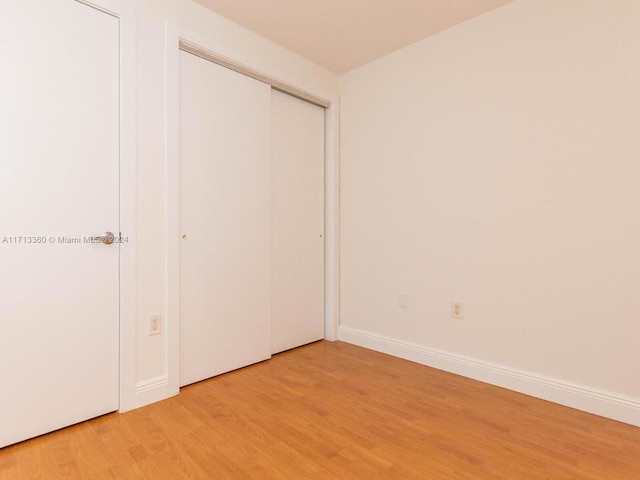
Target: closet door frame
(178,38)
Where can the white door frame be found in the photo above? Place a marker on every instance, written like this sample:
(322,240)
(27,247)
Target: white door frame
(178,38)
(124,11)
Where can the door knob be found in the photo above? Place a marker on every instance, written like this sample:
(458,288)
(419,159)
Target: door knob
(107,238)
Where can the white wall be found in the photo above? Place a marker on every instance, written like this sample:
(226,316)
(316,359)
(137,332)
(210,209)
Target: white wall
(498,164)
(153,359)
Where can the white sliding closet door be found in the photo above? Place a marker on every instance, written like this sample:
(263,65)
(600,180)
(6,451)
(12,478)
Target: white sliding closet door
(298,222)
(225,219)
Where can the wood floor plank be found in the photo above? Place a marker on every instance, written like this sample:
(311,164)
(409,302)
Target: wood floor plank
(334,411)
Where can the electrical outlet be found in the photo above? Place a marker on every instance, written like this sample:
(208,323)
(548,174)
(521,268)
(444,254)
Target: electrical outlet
(154,324)
(457,310)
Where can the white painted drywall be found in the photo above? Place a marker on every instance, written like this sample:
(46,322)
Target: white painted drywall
(498,164)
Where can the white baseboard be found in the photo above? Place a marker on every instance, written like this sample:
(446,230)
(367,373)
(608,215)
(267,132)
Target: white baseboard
(605,404)
(152,390)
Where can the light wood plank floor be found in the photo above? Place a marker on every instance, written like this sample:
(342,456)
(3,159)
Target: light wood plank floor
(336,411)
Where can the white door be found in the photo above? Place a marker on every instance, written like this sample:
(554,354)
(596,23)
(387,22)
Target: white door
(225,220)
(59,163)
(298,222)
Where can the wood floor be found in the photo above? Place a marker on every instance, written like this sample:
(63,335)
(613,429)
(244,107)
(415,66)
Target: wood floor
(336,411)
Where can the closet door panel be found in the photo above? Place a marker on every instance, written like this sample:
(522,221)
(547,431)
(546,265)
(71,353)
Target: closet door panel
(298,222)
(225,220)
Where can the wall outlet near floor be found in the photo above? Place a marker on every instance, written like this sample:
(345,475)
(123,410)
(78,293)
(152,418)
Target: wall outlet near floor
(457,310)
(154,324)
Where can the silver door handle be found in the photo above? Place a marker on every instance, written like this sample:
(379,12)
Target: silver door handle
(107,238)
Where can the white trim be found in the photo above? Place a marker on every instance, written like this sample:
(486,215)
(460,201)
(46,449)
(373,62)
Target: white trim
(172,172)
(150,390)
(125,13)
(606,404)
(152,383)
(331,222)
(180,38)
(111,7)
(245,69)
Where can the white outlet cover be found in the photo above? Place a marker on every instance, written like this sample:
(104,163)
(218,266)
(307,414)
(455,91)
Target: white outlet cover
(155,319)
(457,310)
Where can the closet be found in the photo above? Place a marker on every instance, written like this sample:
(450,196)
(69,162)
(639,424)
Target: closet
(251,220)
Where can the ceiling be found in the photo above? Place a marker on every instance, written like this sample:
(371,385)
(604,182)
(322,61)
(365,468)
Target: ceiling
(341,35)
